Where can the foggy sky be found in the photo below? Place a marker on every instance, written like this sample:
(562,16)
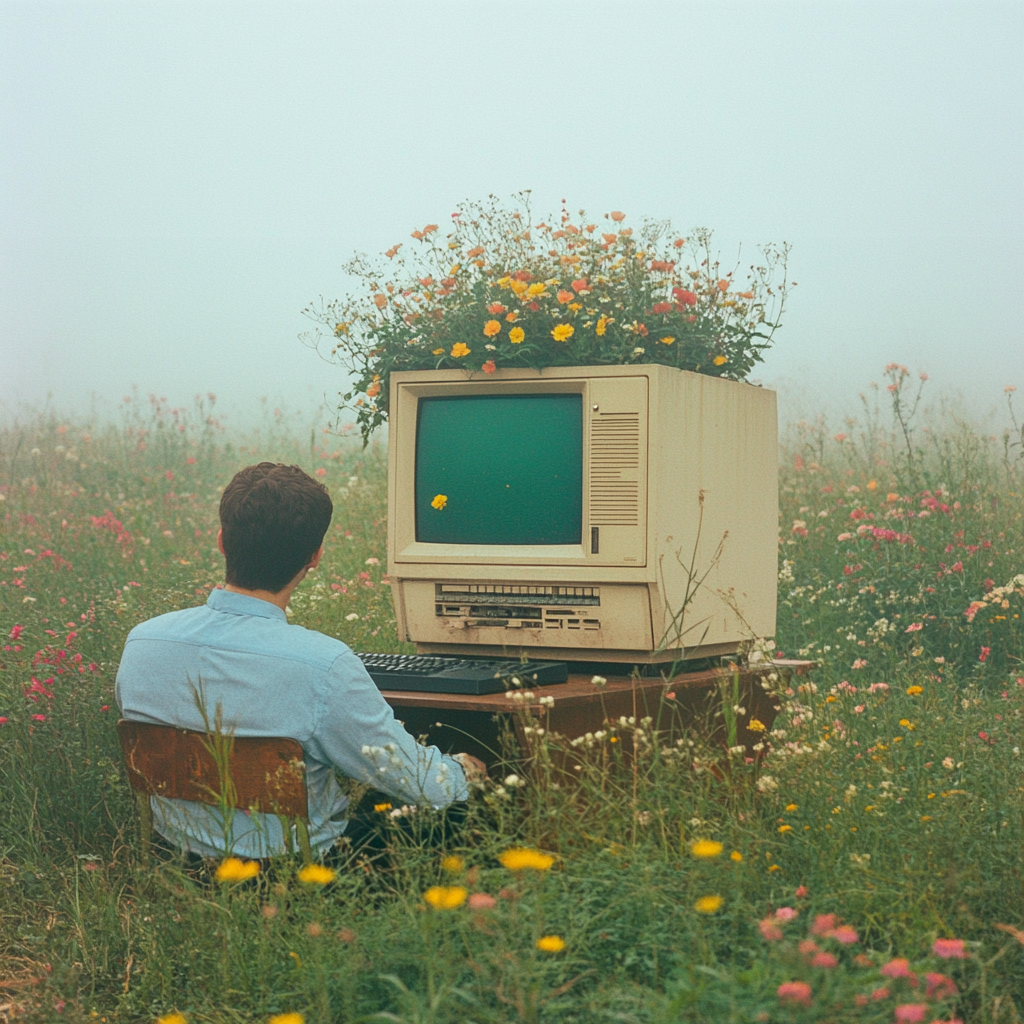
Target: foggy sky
(178,180)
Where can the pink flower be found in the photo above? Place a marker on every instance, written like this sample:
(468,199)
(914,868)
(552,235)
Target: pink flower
(949,949)
(807,946)
(911,1012)
(481,901)
(985,652)
(801,892)
(859,709)
(826,960)
(16,632)
(879,994)
(798,992)
(785,914)
(321,471)
(859,663)
(824,924)
(39,718)
(914,627)
(3,720)
(770,931)
(898,968)
(939,986)
(875,687)
(845,935)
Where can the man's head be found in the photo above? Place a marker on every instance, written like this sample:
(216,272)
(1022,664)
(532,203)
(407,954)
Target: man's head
(273,520)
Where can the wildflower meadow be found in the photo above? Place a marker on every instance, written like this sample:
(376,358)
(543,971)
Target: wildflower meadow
(867,866)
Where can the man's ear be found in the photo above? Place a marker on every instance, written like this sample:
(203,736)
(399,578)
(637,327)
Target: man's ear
(220,542)
(315,560)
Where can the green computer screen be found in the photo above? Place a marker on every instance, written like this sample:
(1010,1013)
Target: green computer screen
(500,469)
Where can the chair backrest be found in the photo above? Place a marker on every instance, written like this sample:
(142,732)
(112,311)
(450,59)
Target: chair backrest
(267,773)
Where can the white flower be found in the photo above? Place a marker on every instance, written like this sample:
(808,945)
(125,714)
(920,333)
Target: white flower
(513,781)
(947,762)
(352,616)
(767,784)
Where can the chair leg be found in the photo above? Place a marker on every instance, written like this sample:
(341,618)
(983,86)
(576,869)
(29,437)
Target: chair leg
(145,825)
(303,834)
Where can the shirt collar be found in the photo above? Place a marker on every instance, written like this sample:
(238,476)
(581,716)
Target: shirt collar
(241,604)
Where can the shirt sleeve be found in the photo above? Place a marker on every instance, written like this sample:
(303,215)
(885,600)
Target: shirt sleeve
(357,732)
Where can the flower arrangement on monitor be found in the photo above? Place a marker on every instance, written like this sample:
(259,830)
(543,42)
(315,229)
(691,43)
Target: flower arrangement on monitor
(498,290)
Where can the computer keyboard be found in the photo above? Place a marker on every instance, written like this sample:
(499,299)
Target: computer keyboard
(432,673)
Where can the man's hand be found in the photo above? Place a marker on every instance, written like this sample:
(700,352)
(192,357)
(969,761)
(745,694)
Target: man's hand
(475,769)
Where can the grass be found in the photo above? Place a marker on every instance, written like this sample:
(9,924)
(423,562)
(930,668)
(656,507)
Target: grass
(892,797)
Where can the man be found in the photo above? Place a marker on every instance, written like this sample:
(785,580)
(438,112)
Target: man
(238,655)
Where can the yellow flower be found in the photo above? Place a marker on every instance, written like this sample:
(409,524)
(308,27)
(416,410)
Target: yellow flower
(915,690)
(736,856)
(382,808)
(503,282)
(459,349)
(287,1018)
(785,828)
(437,352)
(706,848)
(775,867)
(602,325)
(317,874)
(521,859)
(439,502)
(905,723)
(720,360)
(756,725)
(536,289)
(452,864)
(563,332)
(171,1018)
(455,269)
(491,328)
(446,897)
(667,341)
(516,335)
(235,870)
(518,287)
(551,944)
(708,904)
(790,807)
(926,817)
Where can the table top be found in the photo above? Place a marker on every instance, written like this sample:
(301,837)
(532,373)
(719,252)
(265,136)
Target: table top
(578,690)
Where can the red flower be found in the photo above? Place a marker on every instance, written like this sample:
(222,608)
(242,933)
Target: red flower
(580,285)
(489,366)
(496,309)
(662,307)
(985,652)
(949,949)
(795,992)
(685,297)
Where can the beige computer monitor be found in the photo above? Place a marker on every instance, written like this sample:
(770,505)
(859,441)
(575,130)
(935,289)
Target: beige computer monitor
(678,551)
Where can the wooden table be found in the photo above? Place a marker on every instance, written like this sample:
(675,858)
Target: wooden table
(475,724)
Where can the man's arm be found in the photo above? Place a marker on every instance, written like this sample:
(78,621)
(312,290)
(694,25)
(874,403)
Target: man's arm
(356,731)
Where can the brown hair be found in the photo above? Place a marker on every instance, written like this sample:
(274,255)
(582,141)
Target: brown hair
(274,518)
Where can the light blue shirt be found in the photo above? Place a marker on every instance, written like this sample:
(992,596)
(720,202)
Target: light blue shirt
(270,678)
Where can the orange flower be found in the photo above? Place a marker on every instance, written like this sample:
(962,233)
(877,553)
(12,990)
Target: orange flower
(516,335)
(380,300)
(512,317)
(491,328)
(720,360)
(373,390)
(667,341)
(489,366)
(618,215)
(679,243)
(580,285)
(477,251)
(393,251)
(723,285)
(518,287)
(459,350)
(609,238)
(426,281)
(563,332)
(496,309)
(564,296)
(429,229)
(746,295)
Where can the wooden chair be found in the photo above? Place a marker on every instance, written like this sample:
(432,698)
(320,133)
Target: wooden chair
(255,773)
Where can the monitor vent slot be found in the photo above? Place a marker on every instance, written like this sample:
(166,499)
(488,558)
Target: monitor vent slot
(614,469)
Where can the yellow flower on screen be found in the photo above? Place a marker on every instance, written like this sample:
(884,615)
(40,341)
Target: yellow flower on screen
(563,332)
(551,944)
(491,328)
(234,870)
(667,341)
(439,502)
(706,848)
(523,859)
(720,360)
(536,289)
(516,335)
(446,897)
(460,349)
(317,874)
(602,325)
(756,725)
(518,287)
(452,864)
(708,904)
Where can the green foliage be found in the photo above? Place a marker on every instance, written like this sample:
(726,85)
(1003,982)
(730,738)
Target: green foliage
(501,291)
(891,797)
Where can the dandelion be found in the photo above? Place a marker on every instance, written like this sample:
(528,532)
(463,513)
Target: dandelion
(439,501)
(706,848)
(516,335)
(453,864)
(563,332)
(382,808)
(913,691)
(523,859)
(446,897)
(756,725)
(234,870)
(798,992)
(460,349)
(602,325)
(491,328)
(667,341)
(949,949)
(551,944)
(317,874)
(736,856)
(708,904)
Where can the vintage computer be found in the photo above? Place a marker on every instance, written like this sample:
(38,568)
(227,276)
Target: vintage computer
(605,514)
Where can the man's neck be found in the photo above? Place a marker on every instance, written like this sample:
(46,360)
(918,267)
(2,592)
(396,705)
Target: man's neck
(280,599)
